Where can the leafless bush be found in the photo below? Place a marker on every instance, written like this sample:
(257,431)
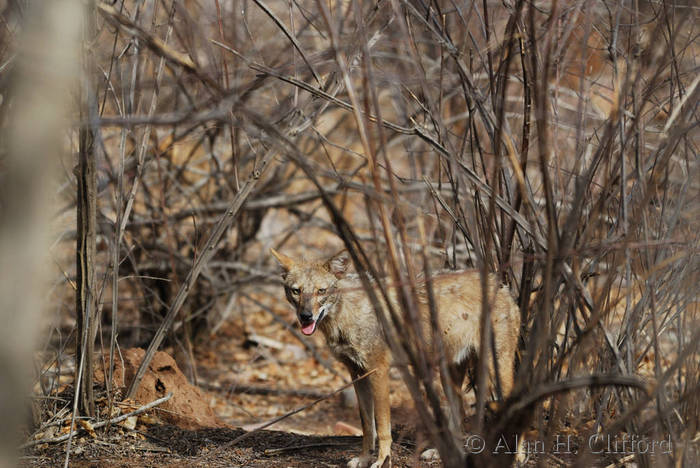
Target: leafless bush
(552,142)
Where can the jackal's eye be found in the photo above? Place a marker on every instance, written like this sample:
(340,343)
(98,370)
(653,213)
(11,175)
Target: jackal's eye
(296,291)
(322,290)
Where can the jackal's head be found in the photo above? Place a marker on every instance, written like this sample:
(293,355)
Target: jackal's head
(311,286)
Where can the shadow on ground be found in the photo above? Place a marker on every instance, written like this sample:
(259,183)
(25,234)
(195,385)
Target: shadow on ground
(171,446)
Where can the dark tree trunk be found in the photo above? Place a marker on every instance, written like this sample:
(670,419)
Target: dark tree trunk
(85,299)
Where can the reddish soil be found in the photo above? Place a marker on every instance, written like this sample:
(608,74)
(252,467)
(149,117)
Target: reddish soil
(169,446)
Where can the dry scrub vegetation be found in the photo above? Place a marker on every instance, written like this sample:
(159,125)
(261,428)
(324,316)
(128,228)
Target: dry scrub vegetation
(552,142)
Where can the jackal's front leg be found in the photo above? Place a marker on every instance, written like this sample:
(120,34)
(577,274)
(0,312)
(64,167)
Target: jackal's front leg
(365,401)
(373,399)
(379,381)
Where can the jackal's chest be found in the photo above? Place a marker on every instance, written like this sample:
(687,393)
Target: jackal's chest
(345,350)
(352,331)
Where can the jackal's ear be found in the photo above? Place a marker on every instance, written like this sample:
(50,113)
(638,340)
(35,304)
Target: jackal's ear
(284,261)
(338,264)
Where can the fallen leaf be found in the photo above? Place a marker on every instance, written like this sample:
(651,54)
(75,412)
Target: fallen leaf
(87,425)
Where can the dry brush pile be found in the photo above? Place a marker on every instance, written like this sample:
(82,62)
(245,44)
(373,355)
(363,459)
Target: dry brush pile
(554,143)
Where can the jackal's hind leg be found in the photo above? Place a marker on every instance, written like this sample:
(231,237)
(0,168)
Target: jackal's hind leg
(457,372)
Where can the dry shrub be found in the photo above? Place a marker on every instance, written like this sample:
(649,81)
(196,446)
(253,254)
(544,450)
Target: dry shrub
(551,142)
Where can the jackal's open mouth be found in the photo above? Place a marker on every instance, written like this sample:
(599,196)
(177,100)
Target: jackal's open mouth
(309,327)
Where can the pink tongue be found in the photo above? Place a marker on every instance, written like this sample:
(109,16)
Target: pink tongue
(308,329)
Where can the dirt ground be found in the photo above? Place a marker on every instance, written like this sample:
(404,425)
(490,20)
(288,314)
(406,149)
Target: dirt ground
(169,446)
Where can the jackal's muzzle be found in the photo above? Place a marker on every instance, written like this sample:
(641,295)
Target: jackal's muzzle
(305,314)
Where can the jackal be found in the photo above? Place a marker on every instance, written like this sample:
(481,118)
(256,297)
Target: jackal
(326,297)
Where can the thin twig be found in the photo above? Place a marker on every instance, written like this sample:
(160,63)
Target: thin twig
(290,36)
(207,252)
(261,390)
(290,413)
(296,448)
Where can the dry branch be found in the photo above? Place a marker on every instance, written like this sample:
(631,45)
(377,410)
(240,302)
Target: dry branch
(232,387)
(207,252)
(98,425)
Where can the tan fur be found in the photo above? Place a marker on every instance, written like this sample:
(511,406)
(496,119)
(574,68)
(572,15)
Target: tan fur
(323,290)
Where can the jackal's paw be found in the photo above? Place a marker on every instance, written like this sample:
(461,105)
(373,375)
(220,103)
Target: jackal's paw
(385,463)
(364,462)
(359,462)
(430,455)
(523,455)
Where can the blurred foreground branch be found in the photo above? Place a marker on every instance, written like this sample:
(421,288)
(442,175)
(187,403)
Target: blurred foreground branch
(33,130)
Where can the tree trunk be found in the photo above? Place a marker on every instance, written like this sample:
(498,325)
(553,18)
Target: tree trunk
(86,174)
